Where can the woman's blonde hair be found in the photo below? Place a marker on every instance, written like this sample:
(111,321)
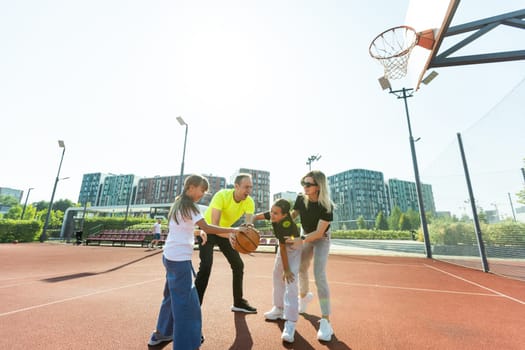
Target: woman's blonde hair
(324,190)
(183,202)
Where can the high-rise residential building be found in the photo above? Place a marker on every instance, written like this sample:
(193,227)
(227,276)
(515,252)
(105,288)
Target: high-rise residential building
(163,189)
(403,194)
(17,194)
(261,188)
(118,190)
(6,191)
(288,195)
(91,188)
(157,190)
(356,193)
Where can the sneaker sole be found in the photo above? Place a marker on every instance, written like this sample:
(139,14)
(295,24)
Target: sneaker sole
(325,339)
(274,318)
(159,342)
(287,340)
(238,309)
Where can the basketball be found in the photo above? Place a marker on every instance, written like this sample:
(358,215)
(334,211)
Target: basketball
(248,241)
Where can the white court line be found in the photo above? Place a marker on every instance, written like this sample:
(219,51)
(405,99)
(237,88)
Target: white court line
(414,289)
(77,297)
(478,285)
(375,285)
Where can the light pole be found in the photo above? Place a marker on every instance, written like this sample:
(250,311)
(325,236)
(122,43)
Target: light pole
(25,203)
(512,207)
(312,159)
(404,94)
(43,236)
(180,185)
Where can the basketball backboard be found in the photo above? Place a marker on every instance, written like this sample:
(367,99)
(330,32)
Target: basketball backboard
(423,15)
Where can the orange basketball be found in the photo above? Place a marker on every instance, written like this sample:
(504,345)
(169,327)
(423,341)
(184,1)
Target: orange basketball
(248,241)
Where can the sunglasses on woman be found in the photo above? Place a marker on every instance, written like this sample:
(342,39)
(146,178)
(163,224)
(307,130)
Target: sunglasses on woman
(308,184)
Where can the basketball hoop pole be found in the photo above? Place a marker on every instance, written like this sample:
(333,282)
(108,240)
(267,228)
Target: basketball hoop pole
(404,94)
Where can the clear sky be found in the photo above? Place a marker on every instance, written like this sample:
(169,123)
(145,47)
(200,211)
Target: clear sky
(261,84)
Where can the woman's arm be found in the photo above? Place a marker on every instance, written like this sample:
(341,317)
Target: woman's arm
(322,227)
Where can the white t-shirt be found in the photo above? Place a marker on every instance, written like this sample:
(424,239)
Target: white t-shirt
(157,228)
(181,240)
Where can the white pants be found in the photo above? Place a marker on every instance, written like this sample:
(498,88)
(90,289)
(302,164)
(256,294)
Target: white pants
(286,295)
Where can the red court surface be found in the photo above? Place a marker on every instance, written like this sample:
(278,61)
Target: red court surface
(58,296)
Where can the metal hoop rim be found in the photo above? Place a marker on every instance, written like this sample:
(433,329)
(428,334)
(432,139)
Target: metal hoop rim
(404,52)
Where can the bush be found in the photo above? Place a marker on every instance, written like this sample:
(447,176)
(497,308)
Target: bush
(507,233)
(371,234)
(21,230)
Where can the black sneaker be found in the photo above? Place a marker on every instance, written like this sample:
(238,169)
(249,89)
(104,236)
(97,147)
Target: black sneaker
(243,306)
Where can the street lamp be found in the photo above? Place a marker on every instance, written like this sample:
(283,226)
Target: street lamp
(43,236)
(404,94)
(311,159)
(25,203)
(182,123)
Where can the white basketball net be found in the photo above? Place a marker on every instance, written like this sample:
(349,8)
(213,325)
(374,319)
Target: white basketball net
(392,49)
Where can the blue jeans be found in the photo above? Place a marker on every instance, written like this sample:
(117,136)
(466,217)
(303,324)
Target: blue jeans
(180,311)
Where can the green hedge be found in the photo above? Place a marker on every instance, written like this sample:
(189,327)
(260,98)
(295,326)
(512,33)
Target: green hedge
(506,233)
(97,224)
(20,230)
(372,234)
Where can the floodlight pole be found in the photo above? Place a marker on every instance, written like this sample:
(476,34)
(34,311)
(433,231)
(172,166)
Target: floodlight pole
(43,236)
(311,159)
(404,94)
(25,203)
(180,185)
(512,207)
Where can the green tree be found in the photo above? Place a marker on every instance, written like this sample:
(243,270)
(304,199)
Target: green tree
(30,212)
(55,218)
(14,212)
(413,217)
(42,205)
(361,223)
(381,222)
(404,223)
(63,204)
(482,216)
(8,201)
(393,219)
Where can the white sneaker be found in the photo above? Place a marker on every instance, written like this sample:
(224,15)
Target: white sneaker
(276,313)
(325,330)
(288,332)
(303,302)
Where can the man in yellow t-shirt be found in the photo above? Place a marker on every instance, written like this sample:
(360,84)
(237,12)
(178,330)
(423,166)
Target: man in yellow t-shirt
(226,208)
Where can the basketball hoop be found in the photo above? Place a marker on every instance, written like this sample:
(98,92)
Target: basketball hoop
(392,49)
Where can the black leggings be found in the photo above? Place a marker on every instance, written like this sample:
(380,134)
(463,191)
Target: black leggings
(206,257)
